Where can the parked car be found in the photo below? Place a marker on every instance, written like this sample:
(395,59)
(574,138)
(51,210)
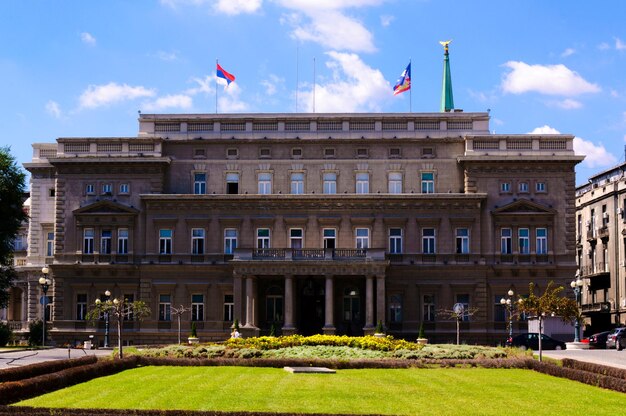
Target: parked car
(531,341)
(598,341)
(610,339)
(620,341)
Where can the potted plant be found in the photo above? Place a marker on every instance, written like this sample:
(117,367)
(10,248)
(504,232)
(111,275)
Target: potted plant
(421,338)
(193,338)
(380,330)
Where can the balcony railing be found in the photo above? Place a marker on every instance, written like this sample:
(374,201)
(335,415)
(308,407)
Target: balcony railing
(300,254)
(603,233)
(594,269)
(604,307)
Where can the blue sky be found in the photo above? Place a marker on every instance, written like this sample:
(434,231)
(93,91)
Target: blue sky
(84,68)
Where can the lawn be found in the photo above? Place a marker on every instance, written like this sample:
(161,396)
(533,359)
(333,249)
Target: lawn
(441,391)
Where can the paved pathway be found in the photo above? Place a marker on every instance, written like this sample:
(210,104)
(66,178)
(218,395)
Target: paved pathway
(612,358)
(25,357)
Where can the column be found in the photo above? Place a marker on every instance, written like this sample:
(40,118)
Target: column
(238,297)
(289,301)
(380,299)
(250,302)
(369,302)
(329,315)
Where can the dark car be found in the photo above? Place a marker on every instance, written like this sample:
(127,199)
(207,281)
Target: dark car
(620,341)
(610,339)
(598,341)
(531,341)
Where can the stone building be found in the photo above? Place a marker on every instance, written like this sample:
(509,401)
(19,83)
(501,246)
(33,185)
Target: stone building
(311,223)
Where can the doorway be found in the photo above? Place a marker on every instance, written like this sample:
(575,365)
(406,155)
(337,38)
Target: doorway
(312,305)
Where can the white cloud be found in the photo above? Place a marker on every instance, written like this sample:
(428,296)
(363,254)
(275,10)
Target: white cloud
(272,84)
(229,102)
(180,101)
(385,20)
(166,56)
(354,87)
(52,108)
(234,7)
(619,45)
(101,95)
(604,46)
(596,155)
(614,94)
(87,39)
(545,79)
(569,104)
(568,52)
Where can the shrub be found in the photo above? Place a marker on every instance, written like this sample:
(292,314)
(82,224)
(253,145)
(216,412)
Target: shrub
(194,333)
(421,331)
(5,334)
(379,328)
(46,367)
(35,329)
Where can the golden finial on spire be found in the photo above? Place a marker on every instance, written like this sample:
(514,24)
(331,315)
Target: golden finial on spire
(445,44)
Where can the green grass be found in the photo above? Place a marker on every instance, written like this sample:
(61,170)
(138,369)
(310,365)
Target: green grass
(441,391)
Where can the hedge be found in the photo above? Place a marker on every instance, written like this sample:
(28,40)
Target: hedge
(31,411)
(587,377)
(46,367)
(595,368)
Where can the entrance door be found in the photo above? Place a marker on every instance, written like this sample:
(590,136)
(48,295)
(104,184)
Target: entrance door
(312,306)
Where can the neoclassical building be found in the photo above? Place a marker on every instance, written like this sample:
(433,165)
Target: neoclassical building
(310,223)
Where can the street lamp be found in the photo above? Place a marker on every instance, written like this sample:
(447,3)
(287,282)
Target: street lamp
(508,303)
(106,320)
(45,283)
(577,285)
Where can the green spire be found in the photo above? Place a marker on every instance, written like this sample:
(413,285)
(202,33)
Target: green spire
(447,101)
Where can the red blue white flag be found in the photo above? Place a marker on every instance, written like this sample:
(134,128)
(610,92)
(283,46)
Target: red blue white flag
(404,82)
(221,73)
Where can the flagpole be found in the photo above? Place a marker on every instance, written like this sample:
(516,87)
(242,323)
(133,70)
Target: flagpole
(216,63)
(314,85)
(297,73)
(410,90)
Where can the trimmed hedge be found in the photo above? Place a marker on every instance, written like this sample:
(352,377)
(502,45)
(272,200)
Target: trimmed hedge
(46,367)
(575,374)
(33,411)
(595,368)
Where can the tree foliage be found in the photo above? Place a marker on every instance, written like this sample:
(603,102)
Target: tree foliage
(550,303)
(12,185)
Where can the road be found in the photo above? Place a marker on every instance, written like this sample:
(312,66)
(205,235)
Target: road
(25,357)
(612,358)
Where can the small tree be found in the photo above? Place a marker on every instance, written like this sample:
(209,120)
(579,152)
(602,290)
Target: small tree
(5,334)
(178,312)
(379,327)
(35,335)
(194,330)
(551,303)
(421,334)
(119,310)
(458,312)
(236,324)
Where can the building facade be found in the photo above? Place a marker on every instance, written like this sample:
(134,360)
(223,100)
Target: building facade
(310,223)
(601,248)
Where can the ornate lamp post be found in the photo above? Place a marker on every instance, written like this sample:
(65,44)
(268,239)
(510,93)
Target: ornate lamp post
(106,320)
(508,303)
(577,285)
(45,283)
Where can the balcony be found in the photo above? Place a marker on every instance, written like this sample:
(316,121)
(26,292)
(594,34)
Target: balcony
(597,307)
(314,254)
(591,235)
(603,233)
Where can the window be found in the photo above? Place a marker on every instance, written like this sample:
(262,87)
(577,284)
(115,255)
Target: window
(197,307)
(165,307)
(362,153)
(122,241)
(605,216)
(81,306)
(362,183)
(428,152)
(462,241)
(542,240)
(296,153)
(329,237)
(199,153)
(329,153)
(89,189)
(395,153)
(540,187)
(124,188)
(165,241)
(199,183)
(330,183)
(107,189)
(295,238)
(265,153)
(524,241)
(428,183)
(428,308)
(428,241)
(395,183)
(265,183)
(88,236)
(232,183)
(229,308)
(297,183)
(351,305)
(506,246)
(362,237)
(523,187)
(230,240)
(395,309)
(232,153)
(499,310)
(49,244)
(263,238)
(51,192)
(197,241)
(274,305)
(464,299)
(395,240)
(505,187)
(105,242)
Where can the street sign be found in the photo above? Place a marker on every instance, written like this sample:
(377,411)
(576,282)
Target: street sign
(44,300)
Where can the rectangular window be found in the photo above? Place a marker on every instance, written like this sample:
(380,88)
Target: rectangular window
(524,241)
(265,183)
(229,308)
(107,189)
(464,299)
(330,183)
(295,238)
(523,187)
(505,187)
(330,235)
(263,238)
(395,240)
(542,240)
(197,307)
(105,242)
(540,187)
(506,246)
(329,152)
(362,237)
(362,183)
(232,183)
(605,216)
(274,308)
(395,183)
(230,240)
(49,244)
(197,241)
(165,307)
(90,189)
(199,183)
(122,241)
(499,310)
(395,309)
(81,306)
(428,183)
(428,241)
(462,241)
(88,236)
(428,308)
(297,183)
(165,241)
(124,188)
